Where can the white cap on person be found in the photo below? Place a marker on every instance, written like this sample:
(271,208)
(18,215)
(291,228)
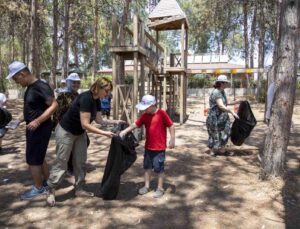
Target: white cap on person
(14,68)
(222,78)
(147,101)
(73,77)
(63,81)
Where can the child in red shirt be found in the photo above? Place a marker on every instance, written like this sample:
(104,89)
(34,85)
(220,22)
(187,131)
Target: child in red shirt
(156,121)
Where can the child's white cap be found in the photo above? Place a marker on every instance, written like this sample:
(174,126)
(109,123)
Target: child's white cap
(147,101)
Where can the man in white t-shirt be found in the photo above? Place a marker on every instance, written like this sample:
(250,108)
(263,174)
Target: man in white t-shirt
(2,130)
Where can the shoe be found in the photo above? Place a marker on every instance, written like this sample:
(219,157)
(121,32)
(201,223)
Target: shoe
(70,173)
(83,193)
(32,193)
(143,190)
(50,197)
(212,153)
(158,193)
(45,185)
(227,153)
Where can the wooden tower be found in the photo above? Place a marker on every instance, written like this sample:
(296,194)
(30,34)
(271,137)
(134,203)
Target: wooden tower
(168,15)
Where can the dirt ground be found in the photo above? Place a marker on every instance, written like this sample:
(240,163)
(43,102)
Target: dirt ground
(201,191)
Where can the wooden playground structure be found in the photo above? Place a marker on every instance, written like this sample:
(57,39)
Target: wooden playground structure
(167,75)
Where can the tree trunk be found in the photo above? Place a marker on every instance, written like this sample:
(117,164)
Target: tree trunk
(75,51)
(2,87)
(37,58)
(66,39)
(121,64)
(52,79)
(277,139)
(32,39)
(246,39)
(261,44)
(253,35)
(95,42)
(271,73)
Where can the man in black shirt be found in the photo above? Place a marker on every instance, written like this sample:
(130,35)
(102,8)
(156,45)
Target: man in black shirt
(39,105)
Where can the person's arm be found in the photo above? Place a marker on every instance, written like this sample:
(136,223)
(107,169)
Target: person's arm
(128,129)
(44,116)
(238,101)
(4,104)
(222,107)
(85,123)
(101,121)
(172,137)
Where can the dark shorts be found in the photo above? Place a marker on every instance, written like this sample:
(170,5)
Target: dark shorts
(155,160)
(37,143)
(105,111)
(2,132)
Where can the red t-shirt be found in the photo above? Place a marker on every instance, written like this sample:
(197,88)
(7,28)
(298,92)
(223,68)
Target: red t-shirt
(156,132)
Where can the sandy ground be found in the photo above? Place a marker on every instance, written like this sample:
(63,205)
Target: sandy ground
(201,191)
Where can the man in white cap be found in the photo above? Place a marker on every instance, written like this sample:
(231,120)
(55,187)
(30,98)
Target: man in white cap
(39,105)
(155,121)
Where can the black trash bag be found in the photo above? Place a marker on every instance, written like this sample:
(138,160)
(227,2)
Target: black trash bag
(242,127)
(121,156)
(5,117)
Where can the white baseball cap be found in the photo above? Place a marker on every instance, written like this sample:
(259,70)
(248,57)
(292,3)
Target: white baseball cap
(147,101)
(222,78)
(73,77)
(14,68)
(63,81)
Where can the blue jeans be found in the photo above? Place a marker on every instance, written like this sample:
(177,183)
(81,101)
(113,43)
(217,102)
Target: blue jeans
(155,160)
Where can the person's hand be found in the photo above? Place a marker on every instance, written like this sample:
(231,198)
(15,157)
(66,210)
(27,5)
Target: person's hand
(172,143)
(235,115)
(122,134)
(108,134)
(33,124)
(120,121)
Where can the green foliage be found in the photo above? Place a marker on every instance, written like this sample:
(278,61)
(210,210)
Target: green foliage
(201,81)
(86,82)
(129,79)
(236,83)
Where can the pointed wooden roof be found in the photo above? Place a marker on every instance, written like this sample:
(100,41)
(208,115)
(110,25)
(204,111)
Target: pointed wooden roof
(167,15)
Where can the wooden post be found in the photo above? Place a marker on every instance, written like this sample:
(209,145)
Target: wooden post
(186,47)
(135,85)
(114,67)
(182,45)
(135,30)
(165,93)
(142,61)
(165,59)
(181,97)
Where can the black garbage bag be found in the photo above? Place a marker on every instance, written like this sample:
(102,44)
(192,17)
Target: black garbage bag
(121,156)
(5,117)
(242,127)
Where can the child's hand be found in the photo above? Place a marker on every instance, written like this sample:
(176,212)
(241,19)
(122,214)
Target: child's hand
(109,134)
(122,134)
(172,143)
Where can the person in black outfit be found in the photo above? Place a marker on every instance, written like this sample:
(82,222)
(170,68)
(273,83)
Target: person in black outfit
(71,137)
(39,105)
